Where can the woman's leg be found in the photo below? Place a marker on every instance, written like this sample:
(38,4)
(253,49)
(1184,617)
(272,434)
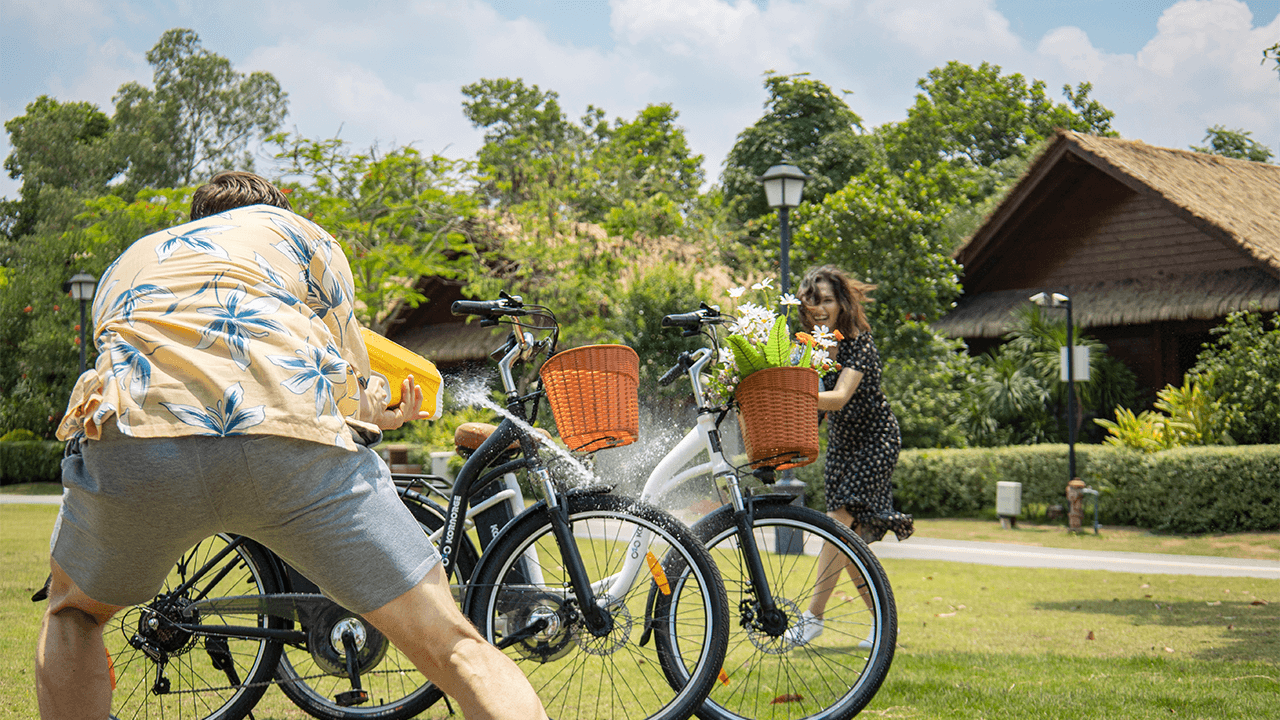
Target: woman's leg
(830,565)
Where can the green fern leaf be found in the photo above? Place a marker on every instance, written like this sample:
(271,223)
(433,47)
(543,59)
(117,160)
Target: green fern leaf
(746,357)
(777,352)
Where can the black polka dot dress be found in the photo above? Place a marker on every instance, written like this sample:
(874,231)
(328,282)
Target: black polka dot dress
(863,441)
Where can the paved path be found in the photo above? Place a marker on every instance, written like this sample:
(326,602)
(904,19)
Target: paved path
(921,548)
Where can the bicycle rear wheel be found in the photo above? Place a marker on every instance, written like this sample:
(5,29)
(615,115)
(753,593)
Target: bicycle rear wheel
(162,671)
(576,673)
(770,673)
(315,676)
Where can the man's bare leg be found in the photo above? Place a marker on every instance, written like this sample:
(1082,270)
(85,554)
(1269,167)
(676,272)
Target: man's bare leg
(73,679)
(430,629)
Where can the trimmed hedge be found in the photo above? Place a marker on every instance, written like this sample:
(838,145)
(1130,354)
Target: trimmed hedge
(1185,490)
(30,461)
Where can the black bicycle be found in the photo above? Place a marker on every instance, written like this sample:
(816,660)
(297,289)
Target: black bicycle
(600,628)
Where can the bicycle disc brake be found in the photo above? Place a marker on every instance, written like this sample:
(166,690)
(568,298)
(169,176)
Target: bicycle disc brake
(752,622)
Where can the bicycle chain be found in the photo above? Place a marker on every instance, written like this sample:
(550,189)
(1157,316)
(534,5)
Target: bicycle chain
(273,681)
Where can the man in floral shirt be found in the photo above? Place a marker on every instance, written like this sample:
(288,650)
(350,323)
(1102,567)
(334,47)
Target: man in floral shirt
(233,393)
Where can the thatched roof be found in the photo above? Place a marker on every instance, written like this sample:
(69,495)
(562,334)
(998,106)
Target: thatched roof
(1235,201)
(1240,198)
(1201,297)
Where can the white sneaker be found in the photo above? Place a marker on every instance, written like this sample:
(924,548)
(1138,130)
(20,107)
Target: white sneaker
(806,630)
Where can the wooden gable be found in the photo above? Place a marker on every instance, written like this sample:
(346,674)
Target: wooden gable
(1154,246)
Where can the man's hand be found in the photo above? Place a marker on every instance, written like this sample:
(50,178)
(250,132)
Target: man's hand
(409,408)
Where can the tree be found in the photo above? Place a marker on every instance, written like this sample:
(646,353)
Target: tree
(527,140)
(884,229)
(39,333)
(647,177)
(1272,53)
(1241,369)
(976,117)
(62,145)
(629,176)
(1234,144)
(58,146)
(199,119)
(398,215)
(806,123)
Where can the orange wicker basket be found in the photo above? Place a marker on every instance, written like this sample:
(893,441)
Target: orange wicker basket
(778,414)
(592,391)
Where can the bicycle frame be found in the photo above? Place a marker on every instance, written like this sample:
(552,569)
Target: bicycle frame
(591,597)
(705,435)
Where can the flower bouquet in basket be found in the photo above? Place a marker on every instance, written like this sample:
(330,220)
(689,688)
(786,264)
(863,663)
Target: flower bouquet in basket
(773,376)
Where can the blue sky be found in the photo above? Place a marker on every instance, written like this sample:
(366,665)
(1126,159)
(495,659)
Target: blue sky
(389,71)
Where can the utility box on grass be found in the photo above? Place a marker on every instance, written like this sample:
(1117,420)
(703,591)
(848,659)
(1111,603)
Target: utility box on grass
(1008,503)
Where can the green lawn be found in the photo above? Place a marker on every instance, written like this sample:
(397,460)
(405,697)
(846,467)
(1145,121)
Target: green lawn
(974,641)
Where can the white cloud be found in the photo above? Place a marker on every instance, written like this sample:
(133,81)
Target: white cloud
(946,28)
(1202,68)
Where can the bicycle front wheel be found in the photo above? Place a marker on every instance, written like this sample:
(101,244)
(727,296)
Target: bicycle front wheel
(161,670)
(523,601)
(315,679)
(779,672)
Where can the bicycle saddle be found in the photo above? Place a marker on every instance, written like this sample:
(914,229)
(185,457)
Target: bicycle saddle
(468,436)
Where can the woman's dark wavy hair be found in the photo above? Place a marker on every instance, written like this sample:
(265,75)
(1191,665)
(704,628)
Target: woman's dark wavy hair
(232,189)
(850,294)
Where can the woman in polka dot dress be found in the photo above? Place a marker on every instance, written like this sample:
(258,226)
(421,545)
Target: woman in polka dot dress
(863,438)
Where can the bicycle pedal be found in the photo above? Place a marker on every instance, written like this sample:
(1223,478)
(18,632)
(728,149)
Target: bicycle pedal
(352,697)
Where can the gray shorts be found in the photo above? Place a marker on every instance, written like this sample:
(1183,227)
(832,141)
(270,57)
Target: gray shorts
(132,506)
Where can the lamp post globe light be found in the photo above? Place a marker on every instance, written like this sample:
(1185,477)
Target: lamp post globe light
(783,188)
(82,286)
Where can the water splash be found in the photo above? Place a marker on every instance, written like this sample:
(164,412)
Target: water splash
(474,392)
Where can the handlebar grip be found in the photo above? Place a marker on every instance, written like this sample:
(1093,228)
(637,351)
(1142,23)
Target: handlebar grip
(483,308)
(689,320)
(671,375)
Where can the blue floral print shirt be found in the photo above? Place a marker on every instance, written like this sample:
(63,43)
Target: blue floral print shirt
(237,323)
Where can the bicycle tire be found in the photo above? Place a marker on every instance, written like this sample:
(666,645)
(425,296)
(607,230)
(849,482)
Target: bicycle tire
(396,689)
(204,676)
(579,675)
(772,677)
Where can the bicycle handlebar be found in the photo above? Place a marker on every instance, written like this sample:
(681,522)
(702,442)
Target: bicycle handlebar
(689,320)
(705,315)
(681,365)
(489,308)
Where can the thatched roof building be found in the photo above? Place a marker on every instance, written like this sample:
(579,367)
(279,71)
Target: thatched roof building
(1154,246)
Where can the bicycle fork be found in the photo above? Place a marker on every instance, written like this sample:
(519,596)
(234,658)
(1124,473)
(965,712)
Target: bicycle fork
(599,622)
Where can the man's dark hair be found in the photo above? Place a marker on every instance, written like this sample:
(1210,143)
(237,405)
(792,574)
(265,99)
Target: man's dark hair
(233,189)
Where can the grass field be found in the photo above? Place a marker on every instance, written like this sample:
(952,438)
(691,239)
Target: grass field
(974,641)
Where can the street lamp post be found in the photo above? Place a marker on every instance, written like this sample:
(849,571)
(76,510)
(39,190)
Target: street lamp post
(1058,300)
(82,286)
(783,188)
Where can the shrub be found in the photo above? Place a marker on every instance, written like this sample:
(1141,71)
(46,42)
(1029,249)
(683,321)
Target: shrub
(30,461)
(1184,490)
(18,434)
